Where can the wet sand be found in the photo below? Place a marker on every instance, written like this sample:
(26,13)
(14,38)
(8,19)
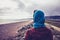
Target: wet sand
(11,29)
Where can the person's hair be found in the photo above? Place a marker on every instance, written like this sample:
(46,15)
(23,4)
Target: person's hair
(35,11)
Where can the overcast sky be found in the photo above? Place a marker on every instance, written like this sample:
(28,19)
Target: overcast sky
(19,9)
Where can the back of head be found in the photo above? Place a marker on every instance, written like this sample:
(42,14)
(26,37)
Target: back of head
(39,19)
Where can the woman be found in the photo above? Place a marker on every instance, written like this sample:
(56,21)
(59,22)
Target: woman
(39,30)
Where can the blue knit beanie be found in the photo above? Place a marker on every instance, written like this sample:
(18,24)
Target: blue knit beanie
(39,19)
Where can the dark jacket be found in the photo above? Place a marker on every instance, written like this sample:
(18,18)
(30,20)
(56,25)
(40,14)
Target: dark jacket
(39,34)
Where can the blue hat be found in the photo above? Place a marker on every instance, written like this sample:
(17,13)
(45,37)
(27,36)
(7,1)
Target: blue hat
(39,19)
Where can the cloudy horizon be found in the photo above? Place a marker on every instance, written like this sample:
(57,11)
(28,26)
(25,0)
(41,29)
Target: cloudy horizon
(19,9)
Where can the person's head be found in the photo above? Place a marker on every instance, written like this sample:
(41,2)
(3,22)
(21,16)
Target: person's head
(38,18)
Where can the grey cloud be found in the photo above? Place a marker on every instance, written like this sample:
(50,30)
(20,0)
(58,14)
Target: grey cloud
(20,4)
(56,11)
(3,10)
(48,9)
